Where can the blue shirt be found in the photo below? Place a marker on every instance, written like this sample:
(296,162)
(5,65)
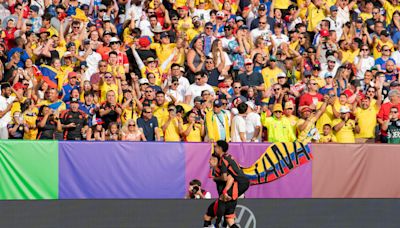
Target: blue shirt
(24,55)
(89,110)
(67,91)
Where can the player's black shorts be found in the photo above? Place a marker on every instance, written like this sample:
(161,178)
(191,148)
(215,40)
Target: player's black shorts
(219,208)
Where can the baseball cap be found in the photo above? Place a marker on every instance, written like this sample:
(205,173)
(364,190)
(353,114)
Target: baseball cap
(144,41)
(184,7)
(164,34)
(150,59)
(277,107)
(87,41)
(261,7)
(333,8)
(72,74)
(74,100)
(324,33)
(102,7)
(108,33)
(344,109)
(217,103)
(195,19)
(114,40)
(220,14)
(34,8)
(272,58)
(70,44)
(384,33)
(307,73)
(281,75)
(289,104)
(248,61)
(239,18)
(331,58)
(359,20)
(143,81)
(328,74)
(198,99)
(19,85)
(305,109)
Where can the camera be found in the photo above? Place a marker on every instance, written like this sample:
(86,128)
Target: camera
(195,189)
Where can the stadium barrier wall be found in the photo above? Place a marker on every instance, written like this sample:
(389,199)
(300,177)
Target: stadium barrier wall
(154,170)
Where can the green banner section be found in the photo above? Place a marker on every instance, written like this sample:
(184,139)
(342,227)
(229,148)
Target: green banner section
(28,170)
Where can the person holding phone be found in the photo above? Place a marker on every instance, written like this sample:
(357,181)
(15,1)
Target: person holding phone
(172,126)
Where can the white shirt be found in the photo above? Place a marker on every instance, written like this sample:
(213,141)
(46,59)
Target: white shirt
(366,64)
(3,106)
(228,61)
(92,61)
(203,14)
(343,15)
(336,25)
(257,32)
(183,85)
(225,41)
(238,126)
(396,57)
(176,94)
(281,39)
(252,121)
(195,90)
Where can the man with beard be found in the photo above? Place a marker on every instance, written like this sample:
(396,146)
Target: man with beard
(6,102)
(196,30)
(366,119)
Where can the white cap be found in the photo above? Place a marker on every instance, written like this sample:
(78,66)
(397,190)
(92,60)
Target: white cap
(344,109)
(281,75)
(251,104)
(67,53)
(143,81)
(114,39)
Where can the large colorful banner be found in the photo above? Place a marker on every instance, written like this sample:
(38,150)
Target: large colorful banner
(153,170)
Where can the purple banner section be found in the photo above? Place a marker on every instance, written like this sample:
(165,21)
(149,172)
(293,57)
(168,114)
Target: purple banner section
(115,170)
(296,184)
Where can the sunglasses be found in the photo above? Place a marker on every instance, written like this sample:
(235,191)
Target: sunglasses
(386,49)
(364,49)
(102,65)
(209,62)
(227,29)
(148,91)
(108,77)
(103,10)
(278,112)
(289,108)
(262,23)
(112,43)
(76,27)
(393,111)
(371,91)
(224,103)
(277,89)
(198,79)
(238,87)
(146,112)
(131,125)
(209,28)
(175,84)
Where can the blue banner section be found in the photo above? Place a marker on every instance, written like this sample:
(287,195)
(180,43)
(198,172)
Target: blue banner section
(115,170)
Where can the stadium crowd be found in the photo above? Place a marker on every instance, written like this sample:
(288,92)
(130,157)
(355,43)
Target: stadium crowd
(200,70)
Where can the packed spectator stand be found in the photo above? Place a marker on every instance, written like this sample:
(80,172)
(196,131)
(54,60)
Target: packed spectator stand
(200,70)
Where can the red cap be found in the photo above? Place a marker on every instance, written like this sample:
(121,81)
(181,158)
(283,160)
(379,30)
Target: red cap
(223,85)
(19,85)
(144,42)
(184,8)
(49,82)
(72,74)
(324,33)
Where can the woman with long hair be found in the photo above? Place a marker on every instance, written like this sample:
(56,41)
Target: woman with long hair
(112,133)
(220,57)
(96,132)
(131,132)
(193,130)
(195,58)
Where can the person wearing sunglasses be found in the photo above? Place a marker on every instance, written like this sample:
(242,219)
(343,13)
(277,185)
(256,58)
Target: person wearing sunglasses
(392,126)
(278,126)
(345,127)
(306,128)
(108,83)
(149,125)
(131,132)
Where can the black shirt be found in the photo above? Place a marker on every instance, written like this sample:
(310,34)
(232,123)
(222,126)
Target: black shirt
(253,79)
(80,120)
(48,130)
(112,116)
(213,76)
(231,167)
(148,127)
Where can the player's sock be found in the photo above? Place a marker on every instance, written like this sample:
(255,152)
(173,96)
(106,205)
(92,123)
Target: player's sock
(206,223)
(234,226)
